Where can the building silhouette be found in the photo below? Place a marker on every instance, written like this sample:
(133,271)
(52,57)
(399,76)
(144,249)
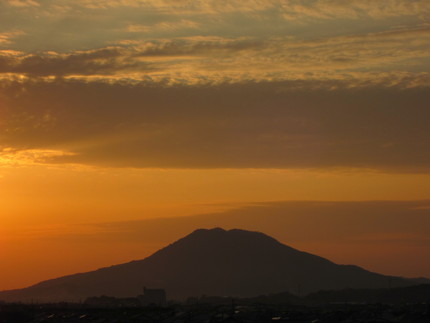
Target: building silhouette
(153,296)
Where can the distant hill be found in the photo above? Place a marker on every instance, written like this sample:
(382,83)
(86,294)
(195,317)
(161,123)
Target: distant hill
(411,294)
(417,294)
(213,262)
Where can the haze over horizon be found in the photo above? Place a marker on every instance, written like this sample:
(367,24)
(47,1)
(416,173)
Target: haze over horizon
(126,124)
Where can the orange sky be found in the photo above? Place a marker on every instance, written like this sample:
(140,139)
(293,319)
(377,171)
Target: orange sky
(65,219)
(125,125)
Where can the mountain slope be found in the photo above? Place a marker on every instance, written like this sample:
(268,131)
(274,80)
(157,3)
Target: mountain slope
(213,262)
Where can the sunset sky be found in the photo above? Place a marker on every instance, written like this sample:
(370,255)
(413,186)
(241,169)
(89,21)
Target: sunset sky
(127,124)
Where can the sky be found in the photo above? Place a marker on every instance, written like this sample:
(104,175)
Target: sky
(127,124)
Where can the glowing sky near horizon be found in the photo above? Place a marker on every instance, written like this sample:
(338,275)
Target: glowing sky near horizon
(126,124)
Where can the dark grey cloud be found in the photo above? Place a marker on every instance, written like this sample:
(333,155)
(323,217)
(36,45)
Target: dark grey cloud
(198,46)
(373,234)
(101,61)
(296,221)
(261,125)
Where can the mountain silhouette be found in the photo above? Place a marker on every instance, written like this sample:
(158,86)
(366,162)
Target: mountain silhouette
(213,262)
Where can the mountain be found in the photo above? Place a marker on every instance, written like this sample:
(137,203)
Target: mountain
(213,262)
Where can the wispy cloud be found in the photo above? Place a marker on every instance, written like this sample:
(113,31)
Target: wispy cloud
(108,60)
(28,157)
(181,24)
(290,9)
(360,57)
(90,23)
(367,230)
(6,38)
(349,221)
(23,3)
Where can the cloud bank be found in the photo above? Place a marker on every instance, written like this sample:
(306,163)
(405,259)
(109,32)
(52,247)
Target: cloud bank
(218,84)
(247,125)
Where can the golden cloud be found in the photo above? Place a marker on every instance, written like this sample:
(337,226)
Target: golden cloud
(290,9)
(363,58)
(28,157)
(23,3)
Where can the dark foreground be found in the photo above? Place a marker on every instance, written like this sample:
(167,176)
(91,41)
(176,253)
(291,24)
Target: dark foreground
(332,313)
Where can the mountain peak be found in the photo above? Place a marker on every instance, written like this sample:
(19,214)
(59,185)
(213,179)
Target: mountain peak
(205,231)
(217,231)
(216,238)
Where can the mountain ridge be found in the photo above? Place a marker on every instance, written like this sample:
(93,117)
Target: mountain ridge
(213,262)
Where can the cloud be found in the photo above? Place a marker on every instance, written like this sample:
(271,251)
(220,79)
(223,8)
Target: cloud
(181,24)
(135,84)
(322,221)
(23,3)
(355,9)
(27,157)
(290,9)
(6,38)
(89,24)
(285,124)
(373,234)
(362,58)
(103,61)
